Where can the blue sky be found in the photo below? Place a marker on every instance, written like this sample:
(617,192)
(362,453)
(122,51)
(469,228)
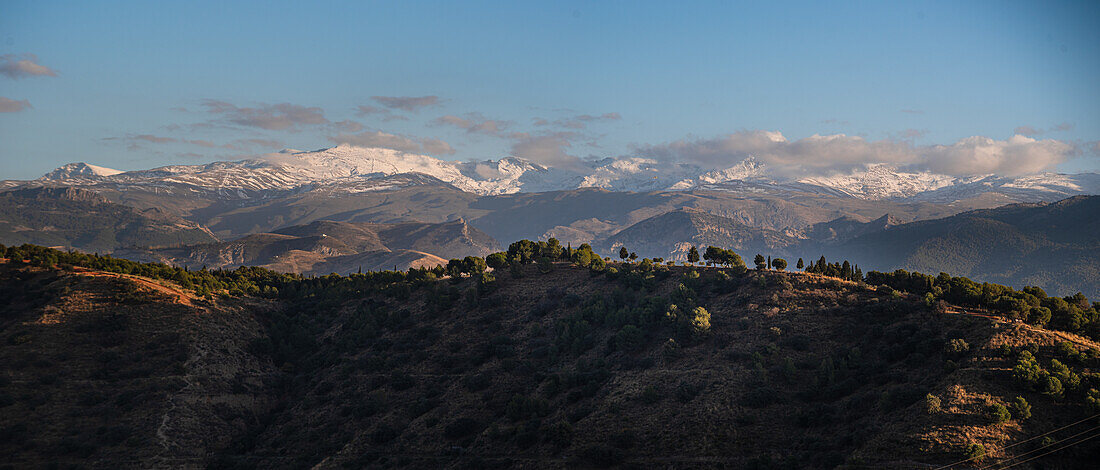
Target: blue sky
(134,85)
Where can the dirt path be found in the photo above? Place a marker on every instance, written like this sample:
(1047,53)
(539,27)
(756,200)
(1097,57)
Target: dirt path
(180,297)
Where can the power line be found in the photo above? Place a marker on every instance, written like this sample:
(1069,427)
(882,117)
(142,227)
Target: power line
(1014,457)
(1094,436)
(1022,442)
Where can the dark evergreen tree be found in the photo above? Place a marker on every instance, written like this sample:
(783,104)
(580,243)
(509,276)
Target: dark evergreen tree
(760,262)
(693,255)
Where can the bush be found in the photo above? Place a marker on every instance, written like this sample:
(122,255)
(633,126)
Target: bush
(1021,408)
(932,404)
(1052,386)
(1092,400)
(956,347)
(999,414)
(700,321)
(974,453)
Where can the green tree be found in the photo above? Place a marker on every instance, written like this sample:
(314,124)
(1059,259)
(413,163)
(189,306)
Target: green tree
(729,258)
(1021,408)
(800,264)
(1039,316)
(1052,386)
(712,255)
(583,257)
(523,251)
(761,263)
(999,414)
(473,265)
(623,254)
(693,255)
(974,453)
(779,264)
(633,256)
(553,249)
(454,268)
(496,260)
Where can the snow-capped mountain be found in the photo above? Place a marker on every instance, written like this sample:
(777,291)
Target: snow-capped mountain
(80,170)
(349,169)
(882,182)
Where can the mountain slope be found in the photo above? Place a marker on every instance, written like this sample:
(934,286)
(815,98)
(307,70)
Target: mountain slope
(81,219)
(673,233)
(565,369)
(324,247)
(1056,246)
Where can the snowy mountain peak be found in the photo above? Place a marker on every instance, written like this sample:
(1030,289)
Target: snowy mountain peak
(882,182)
(79,170)
(747,169)
(347,168)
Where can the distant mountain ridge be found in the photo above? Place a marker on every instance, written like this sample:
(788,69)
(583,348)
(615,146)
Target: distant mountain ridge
(354,169)
(1055,245)
(324,247)
(81,219)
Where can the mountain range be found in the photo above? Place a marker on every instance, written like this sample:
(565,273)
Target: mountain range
(351,169)
(262,210)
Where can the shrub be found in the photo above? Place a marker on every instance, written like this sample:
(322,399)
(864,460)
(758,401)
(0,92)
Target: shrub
(1021,408)
(974,453)
(1027,371)
(1052,386)
(496,260)
(956,347)
(998,413)
(932,404)
(1092,400)
(700,321)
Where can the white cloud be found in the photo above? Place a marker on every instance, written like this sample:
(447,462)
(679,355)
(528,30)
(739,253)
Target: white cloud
(820,154)
(1019,155)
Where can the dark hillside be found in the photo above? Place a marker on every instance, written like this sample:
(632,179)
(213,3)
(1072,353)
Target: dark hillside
(536,366)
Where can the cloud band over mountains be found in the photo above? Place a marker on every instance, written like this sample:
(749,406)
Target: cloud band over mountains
(839,153)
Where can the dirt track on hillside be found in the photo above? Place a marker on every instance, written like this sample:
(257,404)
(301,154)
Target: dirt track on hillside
(180,297)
